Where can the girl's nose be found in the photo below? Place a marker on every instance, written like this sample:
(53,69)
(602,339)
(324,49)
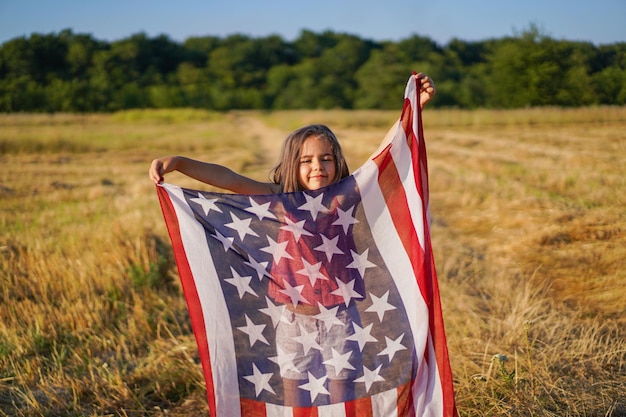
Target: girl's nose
(317,165)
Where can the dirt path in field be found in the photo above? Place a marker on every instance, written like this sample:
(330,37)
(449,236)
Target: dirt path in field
(269,139)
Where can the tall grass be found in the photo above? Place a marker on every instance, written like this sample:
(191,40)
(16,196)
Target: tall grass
(529,234)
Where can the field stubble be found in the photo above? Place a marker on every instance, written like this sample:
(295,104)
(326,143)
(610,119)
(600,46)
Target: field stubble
(529,234)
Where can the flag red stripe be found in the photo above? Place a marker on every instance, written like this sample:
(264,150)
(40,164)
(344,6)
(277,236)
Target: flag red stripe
(305,412)
(251,408)
(405,401)
(420,161)
(397,202)
(191,293)
(361,407)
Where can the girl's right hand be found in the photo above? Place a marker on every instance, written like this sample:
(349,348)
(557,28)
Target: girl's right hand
(161,166)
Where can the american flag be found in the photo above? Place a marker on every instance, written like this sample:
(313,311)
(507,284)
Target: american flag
(318,303)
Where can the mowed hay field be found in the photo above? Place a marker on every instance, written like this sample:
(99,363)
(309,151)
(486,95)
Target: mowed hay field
(529,232)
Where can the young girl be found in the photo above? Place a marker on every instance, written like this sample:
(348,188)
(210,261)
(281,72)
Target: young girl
(311,158)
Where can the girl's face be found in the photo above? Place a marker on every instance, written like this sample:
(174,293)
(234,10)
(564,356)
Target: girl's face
(317,164)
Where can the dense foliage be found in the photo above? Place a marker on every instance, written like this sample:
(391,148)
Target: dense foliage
(69,72)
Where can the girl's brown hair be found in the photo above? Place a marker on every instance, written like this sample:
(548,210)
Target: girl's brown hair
(286,172)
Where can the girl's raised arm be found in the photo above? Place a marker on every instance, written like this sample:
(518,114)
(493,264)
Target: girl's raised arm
(208,173)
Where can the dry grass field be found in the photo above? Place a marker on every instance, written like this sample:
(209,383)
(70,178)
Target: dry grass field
(529,234)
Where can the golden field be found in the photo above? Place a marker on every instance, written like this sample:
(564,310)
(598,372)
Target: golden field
(529,234)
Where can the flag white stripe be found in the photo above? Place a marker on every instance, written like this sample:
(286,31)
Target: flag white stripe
(275,410)
(332,410)
(417,390)
(215,312)
(385,404)
(430,398)
(401,154)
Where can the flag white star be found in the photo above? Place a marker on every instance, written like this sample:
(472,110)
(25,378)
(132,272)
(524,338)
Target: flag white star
(329,247)
(261,381)
(315,386)
(312,272)
(328,316)
(207,204)
(340,361)
(307,340)
(393,346)
(345,219)
(296,228)
(369,377)
(362,335)
(254,332)
(346,291)
(259,267)
(295,293)
(284,361)
(227,242)
(380,305)
(260,210)
(314,205)
(277,250)
(360,262)
(241,283)
(274,311)
(242,226)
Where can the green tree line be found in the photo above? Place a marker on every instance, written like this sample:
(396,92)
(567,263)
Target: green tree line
(68,72)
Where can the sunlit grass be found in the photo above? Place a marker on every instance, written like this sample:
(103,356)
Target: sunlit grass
(529,235)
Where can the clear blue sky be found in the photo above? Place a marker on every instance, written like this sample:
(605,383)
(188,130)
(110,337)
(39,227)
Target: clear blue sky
(597,21)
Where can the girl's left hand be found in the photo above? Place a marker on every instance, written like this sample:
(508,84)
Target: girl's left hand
(427,88)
